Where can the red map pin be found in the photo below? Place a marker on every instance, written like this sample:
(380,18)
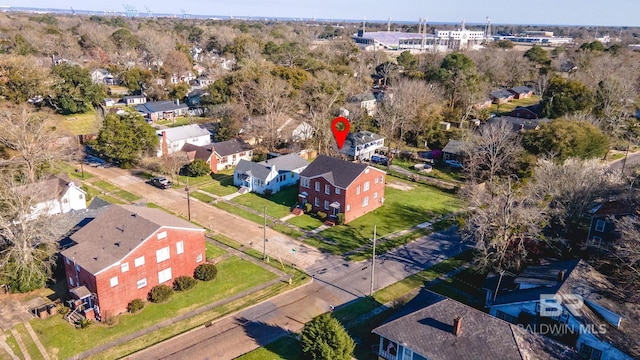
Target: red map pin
(340,127)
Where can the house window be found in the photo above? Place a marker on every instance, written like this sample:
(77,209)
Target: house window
(365,201)
(590,353)
(124,267)
(348,207)
(600,225)
(141,283)
(71,281)
(67,260)
(316,202)
(139,261)
(162,235)
(326,205)
(65,200)
(179,247)
(162,254)
(358,190)
(375,195)
(199,258)
(80,196)
(506,317)
(596,241)
(337,191)
(305,182)
(113,281)
(224,160)
(164,275)
(382,178)
(367,185)
(375,181)
(327,189)
(317,185)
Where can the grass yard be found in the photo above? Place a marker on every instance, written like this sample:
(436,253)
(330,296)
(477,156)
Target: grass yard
(213,251)
(111,199)
(287,230)
(79,124)
(127,195)
(29,344)
(285,348)
(221,186)
(504,109)
(234,276)
(13,344)
(305,222)
(278,205)
(240,212)
(106,186)
(202,197)
(402,209)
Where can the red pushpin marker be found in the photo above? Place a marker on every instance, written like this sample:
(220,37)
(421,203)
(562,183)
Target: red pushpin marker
(340,127)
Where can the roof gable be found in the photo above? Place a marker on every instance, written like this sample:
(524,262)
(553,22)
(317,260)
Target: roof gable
(250,168)
(288,162)
(230,147)
(338,172)
(116,232)
(183,132)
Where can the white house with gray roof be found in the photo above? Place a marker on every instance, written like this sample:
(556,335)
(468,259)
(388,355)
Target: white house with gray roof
(173,139)
(362,145)
(272,175)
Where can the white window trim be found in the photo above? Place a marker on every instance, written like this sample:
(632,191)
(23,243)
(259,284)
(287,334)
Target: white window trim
(180,247)
(113,281)
(139,261)
(367,185)
(163,254)
(162,235)
(124,267)
(326,204)
(161,275)
(199,258)
(365,201)
(141,283)
(600,225)
(327,189)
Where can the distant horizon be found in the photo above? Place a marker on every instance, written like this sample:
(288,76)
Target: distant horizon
(569,13)
(142,15)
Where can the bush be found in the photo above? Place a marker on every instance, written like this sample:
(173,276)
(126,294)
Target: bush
(184,283)
(205,272)
(160,293)
(268,193)
(321,215)
(84,323)
(135,305)
(198,167)
(340,218)
(308,207)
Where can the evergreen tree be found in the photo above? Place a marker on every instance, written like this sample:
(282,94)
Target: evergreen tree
(124,139)
(324,338)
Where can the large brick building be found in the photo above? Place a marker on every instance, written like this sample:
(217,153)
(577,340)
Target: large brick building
(336,186)
(125,251)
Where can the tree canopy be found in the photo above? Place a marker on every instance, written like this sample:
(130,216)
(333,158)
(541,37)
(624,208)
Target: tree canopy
(123,139)
(73,91)
(563,139)
(564,96)
(324,338)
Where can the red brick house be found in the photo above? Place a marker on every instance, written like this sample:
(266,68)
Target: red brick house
(336,186)
(221,155)
(124,252)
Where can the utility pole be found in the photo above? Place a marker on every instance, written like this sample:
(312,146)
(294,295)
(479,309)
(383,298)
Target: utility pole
(373,260)
(264,235)
(186,188)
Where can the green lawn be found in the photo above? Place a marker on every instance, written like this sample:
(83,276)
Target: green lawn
(213,251)
(31,346)
(278,205)
(221,186)
(106,186)
(305,222)
(234,275)
(506,108)
(240,212)
(285,348)
(13,344)
(111,199)
(287,230)
(91,191)
(401,210)
(127,195)
(80,124)
(202,197)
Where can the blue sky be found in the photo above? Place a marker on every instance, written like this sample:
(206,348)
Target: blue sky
(568,12)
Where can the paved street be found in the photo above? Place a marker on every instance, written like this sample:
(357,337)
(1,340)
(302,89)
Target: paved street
(335,282)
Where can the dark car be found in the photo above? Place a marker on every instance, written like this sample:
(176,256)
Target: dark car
(160,182)
(379,159)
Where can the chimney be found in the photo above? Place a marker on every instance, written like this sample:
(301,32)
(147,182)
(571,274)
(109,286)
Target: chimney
(164,145)
(457,323)
(177,102)
(561,275)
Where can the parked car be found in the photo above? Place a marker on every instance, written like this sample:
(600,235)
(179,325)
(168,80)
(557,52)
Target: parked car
(453,163)
(379,159)
(160,182)
(94,161)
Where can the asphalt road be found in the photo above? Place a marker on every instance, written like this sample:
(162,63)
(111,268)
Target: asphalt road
(632,161)
(336,281)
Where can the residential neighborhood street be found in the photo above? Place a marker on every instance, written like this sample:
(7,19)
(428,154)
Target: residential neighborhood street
(336,281)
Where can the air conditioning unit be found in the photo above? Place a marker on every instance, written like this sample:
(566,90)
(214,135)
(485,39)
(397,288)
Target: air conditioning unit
(381,200)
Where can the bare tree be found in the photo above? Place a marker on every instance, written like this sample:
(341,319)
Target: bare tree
(627,251)
(173,162)
(320,96)
(157,46)
(33,137)
(504,225)
(494,153)
(27,242)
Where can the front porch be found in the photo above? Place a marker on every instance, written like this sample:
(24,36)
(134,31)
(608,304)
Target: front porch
(83,305)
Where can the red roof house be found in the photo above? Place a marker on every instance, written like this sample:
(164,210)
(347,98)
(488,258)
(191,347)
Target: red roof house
(336,186)
(124,252)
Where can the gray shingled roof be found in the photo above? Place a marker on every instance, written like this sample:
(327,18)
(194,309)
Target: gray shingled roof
(116,232)
(429,332)
(499,94)
(360,138)
(160,106)
(600,297)
(49,189)
(338,172)
(362,97)
(230,147)
(288,162)
(454,147)
(520,123)
(184,132)
(199,152)
(521,89)
(257,170)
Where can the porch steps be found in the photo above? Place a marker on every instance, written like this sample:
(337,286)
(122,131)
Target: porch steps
(330,223)
(74,317)
(297,211)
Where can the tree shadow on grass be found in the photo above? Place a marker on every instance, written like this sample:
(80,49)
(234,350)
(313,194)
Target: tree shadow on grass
(274,338)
